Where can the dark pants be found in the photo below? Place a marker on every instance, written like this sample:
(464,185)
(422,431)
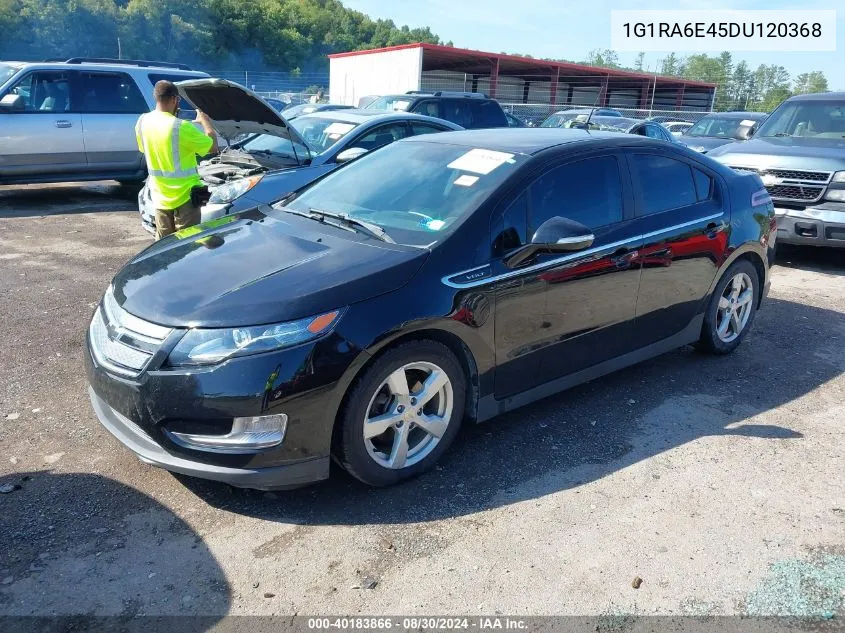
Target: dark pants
(171,220)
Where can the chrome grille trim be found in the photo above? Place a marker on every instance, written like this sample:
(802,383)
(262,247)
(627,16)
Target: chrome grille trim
(796,185)
(122,342)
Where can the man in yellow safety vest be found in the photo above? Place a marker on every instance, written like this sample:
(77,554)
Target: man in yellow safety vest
(171,146)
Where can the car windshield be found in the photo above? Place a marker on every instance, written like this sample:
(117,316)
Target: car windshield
(299,110)
(717,127)
(7,72)
(816,119)
(437,186)
(321,132)
(268,143)
(400,104)
(611,124)
(559,119)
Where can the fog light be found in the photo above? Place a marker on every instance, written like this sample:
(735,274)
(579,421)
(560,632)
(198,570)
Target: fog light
(247,436)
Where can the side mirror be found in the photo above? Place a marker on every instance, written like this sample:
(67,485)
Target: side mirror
(746,133)
(555,235)
(12,102)
(350,154)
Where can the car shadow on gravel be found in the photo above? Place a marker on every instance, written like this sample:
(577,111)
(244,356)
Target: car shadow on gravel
(83,546)
(586,433)
(67,198)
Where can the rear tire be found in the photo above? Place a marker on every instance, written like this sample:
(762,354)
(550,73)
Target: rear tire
(731,310)
(402,414)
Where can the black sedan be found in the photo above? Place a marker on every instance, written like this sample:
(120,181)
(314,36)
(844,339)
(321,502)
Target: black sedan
(445,278)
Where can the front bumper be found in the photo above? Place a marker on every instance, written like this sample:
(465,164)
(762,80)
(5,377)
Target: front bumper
(813,226)
(301,382)
(148,451)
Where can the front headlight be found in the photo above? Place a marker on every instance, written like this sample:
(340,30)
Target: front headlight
(233,190)
(210,346)
(835,195)
(839,176)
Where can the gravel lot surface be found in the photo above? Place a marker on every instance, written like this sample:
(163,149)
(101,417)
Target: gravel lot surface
(720,482)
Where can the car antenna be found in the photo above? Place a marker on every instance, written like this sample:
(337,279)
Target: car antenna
(592,111)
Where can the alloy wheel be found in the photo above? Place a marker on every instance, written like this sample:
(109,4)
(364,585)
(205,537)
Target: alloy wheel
(408,415)
(735,306)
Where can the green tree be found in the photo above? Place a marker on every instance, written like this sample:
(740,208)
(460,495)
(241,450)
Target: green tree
(640,61)
(810,82)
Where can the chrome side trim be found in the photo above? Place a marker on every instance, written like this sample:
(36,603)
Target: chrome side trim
(645,236)
(446,281)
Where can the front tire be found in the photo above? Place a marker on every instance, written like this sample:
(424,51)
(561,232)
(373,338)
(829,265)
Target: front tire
(402,414)
(731,309)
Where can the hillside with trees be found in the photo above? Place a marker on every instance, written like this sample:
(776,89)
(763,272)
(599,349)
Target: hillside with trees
(284,35)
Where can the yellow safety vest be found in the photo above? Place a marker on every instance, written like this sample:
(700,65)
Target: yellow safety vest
(170,146)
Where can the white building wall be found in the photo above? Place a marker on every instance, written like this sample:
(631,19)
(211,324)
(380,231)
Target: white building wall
(447,80)
(387,72)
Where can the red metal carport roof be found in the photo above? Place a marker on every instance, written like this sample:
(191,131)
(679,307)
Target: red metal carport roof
(439,57)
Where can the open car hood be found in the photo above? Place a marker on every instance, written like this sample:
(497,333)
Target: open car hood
(235,110)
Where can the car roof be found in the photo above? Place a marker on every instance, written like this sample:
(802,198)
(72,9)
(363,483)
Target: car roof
(736,115)
(516,140)
(416,96)
(819,96)
(358,117)
(108,66)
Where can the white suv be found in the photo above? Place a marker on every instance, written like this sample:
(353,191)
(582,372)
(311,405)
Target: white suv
(75,119)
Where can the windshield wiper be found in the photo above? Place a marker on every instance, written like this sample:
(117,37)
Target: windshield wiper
(780,134)
(346,223)
(368,228)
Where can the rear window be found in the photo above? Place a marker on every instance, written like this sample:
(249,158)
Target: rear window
(400,104)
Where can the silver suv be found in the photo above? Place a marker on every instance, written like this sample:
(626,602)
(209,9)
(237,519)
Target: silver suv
(75,119)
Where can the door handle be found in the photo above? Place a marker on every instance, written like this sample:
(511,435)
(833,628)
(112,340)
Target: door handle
(63,123)
(623,257)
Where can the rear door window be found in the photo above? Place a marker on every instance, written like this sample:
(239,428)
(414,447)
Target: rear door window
(429,107)
(457,111)
(665,183)
(110,92)
(488,114)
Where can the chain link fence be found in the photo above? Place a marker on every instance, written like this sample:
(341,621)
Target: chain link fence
(533,114)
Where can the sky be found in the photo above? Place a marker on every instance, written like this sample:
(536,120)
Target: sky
(570,29)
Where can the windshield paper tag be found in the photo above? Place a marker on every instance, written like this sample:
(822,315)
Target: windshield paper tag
(466,180)
(338,128)
(481,161)
(748,122)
